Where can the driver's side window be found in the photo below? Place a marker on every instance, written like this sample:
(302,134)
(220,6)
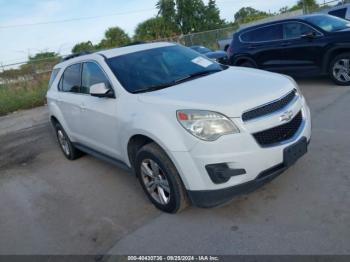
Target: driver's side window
(294,30)
(92,74)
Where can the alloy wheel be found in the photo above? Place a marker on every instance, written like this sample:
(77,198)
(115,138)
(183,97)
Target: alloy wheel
(63,142)
(155,181)
(341,70)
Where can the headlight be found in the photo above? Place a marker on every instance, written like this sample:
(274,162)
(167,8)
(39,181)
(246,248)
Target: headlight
(206,125)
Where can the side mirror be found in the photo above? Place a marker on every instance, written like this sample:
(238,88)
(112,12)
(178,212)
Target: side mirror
(101,90)
(309,35)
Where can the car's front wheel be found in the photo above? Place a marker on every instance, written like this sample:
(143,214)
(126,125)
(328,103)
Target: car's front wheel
(160,179)
(340,69)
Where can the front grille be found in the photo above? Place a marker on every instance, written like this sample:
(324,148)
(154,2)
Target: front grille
(269,108)
(281,133)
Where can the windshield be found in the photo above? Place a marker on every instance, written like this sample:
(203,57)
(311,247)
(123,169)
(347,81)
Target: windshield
(328,23)
(148,70)
(201,49)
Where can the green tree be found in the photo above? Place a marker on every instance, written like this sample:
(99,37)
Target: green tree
(153,28)
(309,5)
(43,56)
(83,47)
(212,16)
(167,10)
(188,16)
(249,14)
(114,37)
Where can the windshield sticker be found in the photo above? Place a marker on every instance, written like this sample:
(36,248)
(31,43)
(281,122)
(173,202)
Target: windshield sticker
(201,61)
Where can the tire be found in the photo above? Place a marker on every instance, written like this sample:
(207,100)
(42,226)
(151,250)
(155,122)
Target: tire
(165,190)
(248,64)
(339,69)
(69,151)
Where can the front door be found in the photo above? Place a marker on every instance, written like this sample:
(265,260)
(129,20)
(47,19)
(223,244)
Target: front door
(99,125)
(302,49)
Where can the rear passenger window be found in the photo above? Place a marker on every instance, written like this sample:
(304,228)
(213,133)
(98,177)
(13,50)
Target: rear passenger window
(92,74)
(71,79)
(263,34)
(295,30)
(339,13)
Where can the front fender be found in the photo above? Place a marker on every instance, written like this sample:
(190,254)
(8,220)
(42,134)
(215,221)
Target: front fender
(329,55)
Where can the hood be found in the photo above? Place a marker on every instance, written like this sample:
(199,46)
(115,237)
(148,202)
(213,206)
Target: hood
(216,54)
(230,92)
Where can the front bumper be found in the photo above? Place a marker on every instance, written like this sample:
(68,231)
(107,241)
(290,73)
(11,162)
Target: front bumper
(239,152)
(212,198)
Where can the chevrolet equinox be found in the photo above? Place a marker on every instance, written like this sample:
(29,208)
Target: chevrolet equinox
(191,130)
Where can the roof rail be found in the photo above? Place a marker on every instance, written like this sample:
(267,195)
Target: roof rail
(75,55)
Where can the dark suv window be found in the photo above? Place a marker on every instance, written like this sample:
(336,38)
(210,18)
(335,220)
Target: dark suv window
(92,74)
(295,30)
(339,13)
(263,34)
(71,79)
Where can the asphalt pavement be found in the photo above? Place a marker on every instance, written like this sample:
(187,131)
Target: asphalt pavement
(49,205)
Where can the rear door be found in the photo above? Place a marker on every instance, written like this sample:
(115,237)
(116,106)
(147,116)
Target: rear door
(263,45)
(301,54)
(69,99)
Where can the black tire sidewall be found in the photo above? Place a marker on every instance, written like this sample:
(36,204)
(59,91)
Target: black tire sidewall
(175,197)
(337,58)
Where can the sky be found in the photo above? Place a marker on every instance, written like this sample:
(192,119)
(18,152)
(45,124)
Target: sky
(16,43)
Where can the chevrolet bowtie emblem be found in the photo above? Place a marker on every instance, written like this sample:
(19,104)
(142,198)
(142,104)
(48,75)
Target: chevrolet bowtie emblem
(286,116)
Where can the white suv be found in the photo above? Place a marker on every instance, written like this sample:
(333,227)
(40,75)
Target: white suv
(193,131)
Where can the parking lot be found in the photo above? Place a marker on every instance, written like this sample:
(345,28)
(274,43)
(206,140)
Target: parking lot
(49,205)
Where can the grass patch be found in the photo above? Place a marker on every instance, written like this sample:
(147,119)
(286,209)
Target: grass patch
(26,95)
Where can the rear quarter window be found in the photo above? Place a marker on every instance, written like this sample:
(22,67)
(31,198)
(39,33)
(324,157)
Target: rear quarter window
(54,74)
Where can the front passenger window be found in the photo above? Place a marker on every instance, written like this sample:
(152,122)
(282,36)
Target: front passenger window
(92,74)
(296,30)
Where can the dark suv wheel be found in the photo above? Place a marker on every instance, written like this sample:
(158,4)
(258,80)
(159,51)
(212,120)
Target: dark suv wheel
(160,179)
(68,149)
(340,69)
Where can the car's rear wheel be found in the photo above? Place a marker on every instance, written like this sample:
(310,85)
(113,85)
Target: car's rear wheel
(340,69)
(68,149)
(160,180)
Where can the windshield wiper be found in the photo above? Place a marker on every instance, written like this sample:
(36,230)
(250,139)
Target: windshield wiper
(197,74)
(177,81)
(154,88)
